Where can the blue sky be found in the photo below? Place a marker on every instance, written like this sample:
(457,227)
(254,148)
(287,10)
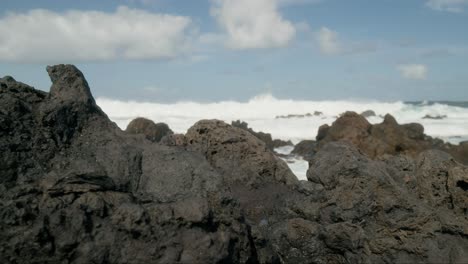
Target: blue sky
(209,50)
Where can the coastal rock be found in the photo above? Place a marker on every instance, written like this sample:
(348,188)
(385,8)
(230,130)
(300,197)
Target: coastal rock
(239,156)
(436,117)
(377,217)
(69,84)
(459,152)
(265,137)
(153,132)
(368,113)
(305,149)
(316,113)
(74,188)
(174,140)
(377,140)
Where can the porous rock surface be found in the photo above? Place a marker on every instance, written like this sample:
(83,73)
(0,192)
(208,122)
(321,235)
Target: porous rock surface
(385,138)
(265,137)
(74,188)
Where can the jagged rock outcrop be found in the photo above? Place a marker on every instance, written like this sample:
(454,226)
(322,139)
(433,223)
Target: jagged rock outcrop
(388,137)
(240,156)
(152,131)
(265,137)
(75,188)
(385,214)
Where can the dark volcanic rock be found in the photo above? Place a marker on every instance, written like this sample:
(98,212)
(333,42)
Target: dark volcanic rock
(153,132)
(265,137)
(305,149)
(437,117)
(459,152)
(74,188)
(382,219)
(377,140)
(240,156)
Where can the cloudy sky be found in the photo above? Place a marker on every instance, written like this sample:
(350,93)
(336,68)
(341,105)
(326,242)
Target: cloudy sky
(208,50)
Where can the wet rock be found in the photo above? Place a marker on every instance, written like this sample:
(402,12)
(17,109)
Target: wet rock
(153,132)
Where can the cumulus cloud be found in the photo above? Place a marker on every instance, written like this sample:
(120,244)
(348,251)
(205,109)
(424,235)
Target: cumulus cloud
(328,41)
(455,6)
(252,24)
(413,71)
(42,36)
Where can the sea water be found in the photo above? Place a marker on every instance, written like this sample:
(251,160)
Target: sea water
(263,113)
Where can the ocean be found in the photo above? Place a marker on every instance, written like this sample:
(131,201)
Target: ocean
(268,114)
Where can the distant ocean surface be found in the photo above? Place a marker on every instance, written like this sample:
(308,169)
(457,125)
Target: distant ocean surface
(261,113)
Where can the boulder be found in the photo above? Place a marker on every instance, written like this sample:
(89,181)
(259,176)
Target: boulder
(265,137)
(305,149)
(375,212)
(240,156)
(377,140)
(368,113)
(153,132)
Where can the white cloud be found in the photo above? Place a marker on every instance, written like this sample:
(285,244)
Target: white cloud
(455,6)
(413,71)
(297,2)
(252,24)
(328,41)
(41,35)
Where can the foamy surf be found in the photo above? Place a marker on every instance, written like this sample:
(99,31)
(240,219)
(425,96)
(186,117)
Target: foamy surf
(261,112)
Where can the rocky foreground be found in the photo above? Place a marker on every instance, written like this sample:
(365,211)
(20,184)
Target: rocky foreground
(74,188)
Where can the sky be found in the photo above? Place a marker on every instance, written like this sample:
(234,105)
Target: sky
(212,50)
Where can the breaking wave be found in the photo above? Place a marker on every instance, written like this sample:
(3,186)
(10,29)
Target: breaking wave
(261,113)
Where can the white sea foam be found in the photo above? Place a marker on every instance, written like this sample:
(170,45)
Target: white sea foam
(260,113)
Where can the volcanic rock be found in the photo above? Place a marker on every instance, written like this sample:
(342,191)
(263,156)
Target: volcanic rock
(376,140)
(436,117)
(153,132)
(240,156)
(265,137)
(368,113)
(74,188)
(305,149)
